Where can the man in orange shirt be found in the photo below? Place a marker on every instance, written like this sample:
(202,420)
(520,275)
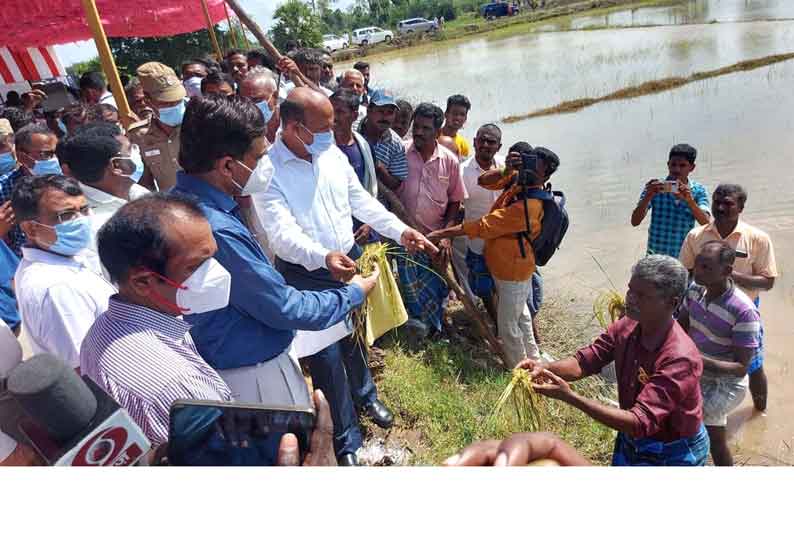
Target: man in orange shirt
(508,231)
(754,270)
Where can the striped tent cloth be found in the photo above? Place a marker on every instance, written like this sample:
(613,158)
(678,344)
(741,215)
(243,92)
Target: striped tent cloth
(18,65)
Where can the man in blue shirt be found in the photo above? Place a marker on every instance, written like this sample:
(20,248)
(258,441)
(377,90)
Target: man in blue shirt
(248,342)
(675,203)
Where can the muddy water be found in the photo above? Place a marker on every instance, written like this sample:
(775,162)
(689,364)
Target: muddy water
(742,124)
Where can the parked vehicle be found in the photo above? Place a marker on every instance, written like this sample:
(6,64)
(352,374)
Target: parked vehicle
(417,24)
(371,35)
(499,9)
(332,42)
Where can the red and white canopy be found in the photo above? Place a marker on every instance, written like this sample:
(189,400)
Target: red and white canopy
(18,65)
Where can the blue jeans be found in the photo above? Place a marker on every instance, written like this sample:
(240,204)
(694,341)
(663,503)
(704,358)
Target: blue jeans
(647,452)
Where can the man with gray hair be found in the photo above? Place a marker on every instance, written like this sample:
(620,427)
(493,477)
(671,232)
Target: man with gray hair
(660,419)
(260,86)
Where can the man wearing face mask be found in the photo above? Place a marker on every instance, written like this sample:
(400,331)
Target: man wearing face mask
(308,213)
(193,72)
(107,165)
(159,251)
(259,86)
(33,153)
(248,342)
(158,137)
(59,293)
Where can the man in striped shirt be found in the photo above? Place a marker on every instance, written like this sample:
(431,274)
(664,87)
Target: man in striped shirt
(724,324)
(391,165)
(140,351)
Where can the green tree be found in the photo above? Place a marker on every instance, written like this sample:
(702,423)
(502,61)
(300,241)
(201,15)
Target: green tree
(79,68)
(296,22)
(172,50)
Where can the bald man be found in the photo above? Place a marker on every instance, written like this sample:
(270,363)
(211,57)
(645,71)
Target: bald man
(308,212)
(259,86)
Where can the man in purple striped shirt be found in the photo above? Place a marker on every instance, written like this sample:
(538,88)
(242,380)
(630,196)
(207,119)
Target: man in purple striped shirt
(159,251)
(725,325)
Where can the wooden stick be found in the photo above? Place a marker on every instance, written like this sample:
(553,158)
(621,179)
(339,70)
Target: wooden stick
(398,209)
(211,30)
(107,62)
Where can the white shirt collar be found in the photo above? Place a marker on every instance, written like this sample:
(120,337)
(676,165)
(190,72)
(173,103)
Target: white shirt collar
(37,255)
(99,196)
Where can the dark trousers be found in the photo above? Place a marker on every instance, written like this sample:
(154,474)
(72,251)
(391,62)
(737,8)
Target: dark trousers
(340,370)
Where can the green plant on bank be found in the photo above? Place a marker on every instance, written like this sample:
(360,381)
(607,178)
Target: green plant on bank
(447,394)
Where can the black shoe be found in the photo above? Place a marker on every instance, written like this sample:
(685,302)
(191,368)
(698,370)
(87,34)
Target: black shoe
(380,414)
(347,460)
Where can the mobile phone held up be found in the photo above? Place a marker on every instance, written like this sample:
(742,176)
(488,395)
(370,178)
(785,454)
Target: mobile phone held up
(217,434)
(669,185)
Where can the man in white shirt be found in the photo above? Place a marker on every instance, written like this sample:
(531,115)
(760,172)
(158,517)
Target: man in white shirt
(60,294)
(308,212)
(107,165)
(94,90)
(478,203)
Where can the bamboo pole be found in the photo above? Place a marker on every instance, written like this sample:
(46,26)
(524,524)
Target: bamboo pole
(107,62)
(211,30)
(232,30)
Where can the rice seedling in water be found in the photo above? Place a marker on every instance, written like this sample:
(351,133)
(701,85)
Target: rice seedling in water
(527,404)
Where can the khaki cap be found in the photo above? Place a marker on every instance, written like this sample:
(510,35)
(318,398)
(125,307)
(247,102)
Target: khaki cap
(5,128)
(160,82)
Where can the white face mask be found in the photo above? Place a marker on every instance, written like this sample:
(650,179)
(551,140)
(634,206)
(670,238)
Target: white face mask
(206,290)
(259,179)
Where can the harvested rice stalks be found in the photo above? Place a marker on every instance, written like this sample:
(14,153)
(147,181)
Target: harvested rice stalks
(609,307)
(526,402)
(383,309)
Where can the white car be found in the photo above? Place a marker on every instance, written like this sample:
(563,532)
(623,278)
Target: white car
(332,42)
(371,35)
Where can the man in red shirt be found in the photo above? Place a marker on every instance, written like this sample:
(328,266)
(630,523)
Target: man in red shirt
(660,419)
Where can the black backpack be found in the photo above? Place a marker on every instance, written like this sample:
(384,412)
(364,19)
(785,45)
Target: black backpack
(553,226)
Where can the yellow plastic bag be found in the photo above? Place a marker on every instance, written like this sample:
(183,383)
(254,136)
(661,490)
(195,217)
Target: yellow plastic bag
(384,308)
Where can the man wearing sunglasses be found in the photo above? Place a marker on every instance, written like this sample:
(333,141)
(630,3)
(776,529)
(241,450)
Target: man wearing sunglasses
(59,292)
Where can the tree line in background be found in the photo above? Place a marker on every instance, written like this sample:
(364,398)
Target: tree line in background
(297,21)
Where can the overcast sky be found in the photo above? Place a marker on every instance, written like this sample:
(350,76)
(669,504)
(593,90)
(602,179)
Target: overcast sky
(260,10)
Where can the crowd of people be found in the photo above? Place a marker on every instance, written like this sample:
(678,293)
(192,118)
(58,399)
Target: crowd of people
(175,254)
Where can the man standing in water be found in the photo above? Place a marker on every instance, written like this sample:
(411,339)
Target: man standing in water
(754,271)
(675,203)
(725,326)
(660,419)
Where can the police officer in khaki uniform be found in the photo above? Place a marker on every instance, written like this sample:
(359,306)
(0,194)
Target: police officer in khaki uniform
(158,137)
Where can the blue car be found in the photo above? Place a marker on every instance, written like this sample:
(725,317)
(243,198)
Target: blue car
(498,9)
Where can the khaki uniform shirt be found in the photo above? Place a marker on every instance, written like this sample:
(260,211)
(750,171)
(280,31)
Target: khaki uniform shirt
(160,151)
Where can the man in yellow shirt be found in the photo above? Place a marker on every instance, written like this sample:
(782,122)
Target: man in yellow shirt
(455,116)
(754,269)
(508,231)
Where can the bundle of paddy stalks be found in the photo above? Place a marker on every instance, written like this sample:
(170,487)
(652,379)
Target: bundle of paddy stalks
(383,310)
(609,307)
(526,402)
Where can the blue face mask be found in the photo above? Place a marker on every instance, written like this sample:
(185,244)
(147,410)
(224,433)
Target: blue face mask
(135,156)
(322,142)
(172,116)
(265,109)
(47,167)
(7,163)
(72,236)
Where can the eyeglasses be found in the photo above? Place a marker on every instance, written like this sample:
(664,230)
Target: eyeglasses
(73,214)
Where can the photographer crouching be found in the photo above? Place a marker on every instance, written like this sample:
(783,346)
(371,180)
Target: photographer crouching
(509,229)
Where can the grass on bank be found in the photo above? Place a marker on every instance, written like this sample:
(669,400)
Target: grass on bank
(446,393)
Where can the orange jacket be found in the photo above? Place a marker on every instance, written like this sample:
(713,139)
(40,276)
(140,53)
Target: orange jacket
(499,228)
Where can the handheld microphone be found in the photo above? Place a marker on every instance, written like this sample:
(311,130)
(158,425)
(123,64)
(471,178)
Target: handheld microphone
(71,421)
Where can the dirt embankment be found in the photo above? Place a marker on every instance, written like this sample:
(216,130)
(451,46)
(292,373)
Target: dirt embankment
(553,10)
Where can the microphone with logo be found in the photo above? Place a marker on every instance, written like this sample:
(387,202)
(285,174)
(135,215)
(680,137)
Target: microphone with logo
(70,421)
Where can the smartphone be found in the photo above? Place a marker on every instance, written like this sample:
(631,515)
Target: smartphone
(670,185)
(217,434)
